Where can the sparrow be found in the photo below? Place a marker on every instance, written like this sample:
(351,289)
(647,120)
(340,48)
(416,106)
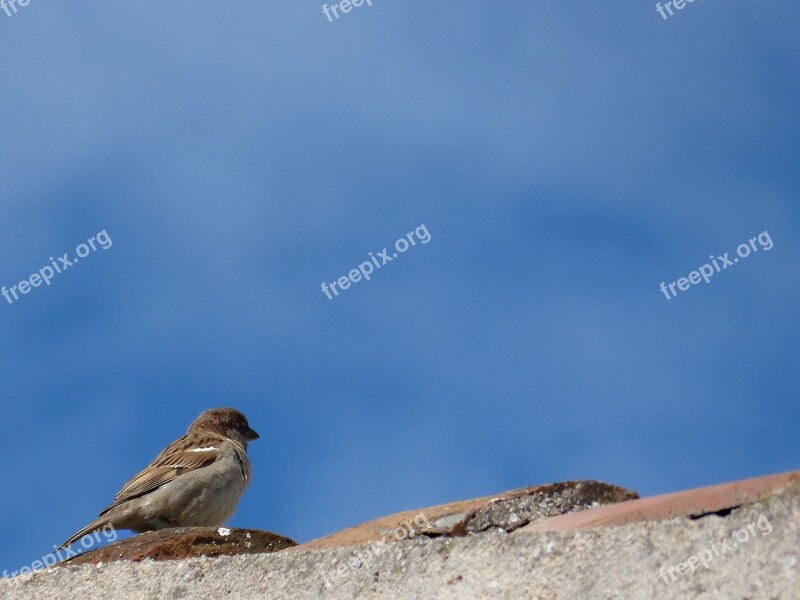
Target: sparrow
(196,481)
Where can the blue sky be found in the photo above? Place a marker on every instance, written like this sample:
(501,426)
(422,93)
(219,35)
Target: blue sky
(566,159)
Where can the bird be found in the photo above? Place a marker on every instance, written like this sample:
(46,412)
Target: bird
(196,481)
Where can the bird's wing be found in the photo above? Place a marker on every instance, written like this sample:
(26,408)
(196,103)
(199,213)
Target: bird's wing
(191,452)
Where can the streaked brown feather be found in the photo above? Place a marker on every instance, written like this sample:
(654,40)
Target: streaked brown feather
(174,460)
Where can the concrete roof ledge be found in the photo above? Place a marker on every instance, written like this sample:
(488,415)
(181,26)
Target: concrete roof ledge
(570,540)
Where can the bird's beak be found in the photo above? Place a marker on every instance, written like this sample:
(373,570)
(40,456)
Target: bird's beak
(252,435)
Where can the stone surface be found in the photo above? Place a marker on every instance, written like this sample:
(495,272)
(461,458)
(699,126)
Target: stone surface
(540,503)
(508,511)
(185,542)
(752,552)
(690,503)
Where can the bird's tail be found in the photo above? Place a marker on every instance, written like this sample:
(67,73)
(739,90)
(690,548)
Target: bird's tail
(95,525)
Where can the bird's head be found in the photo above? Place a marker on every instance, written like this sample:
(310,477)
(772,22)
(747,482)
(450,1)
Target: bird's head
(228,422)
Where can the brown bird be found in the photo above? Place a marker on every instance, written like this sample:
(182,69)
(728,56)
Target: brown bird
(196,481)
